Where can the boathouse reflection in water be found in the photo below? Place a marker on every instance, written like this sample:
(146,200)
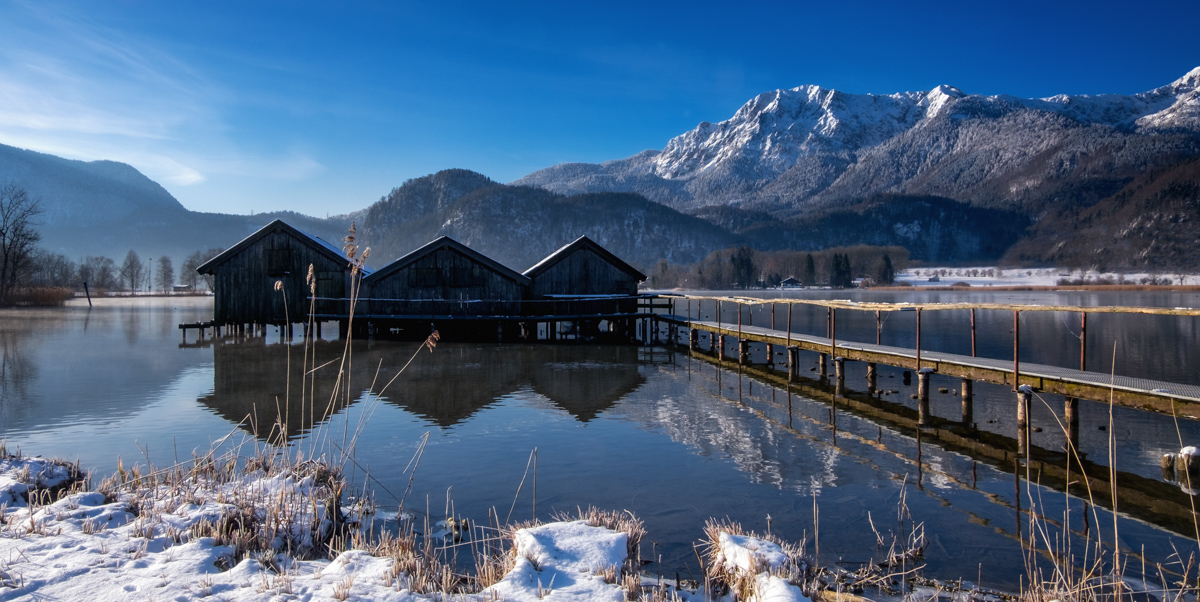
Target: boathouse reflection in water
(257,384)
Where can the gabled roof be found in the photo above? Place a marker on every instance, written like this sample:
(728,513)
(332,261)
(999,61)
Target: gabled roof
(583,242)
(441,243)
(320,245)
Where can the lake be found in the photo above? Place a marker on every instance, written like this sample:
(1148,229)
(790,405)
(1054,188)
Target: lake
(674,439)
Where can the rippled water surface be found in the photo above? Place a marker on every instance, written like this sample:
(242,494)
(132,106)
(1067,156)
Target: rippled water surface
(674,439)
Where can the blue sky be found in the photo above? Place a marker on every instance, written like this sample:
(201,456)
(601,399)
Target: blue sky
(323,107)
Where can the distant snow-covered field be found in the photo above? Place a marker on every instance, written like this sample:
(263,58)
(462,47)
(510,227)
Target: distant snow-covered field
(993,276)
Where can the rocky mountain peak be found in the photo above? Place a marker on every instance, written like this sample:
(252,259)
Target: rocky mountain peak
(791,151)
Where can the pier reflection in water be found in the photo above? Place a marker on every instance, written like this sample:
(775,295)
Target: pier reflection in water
(672,438)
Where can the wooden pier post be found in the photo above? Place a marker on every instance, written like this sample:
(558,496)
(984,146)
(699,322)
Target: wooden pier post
(822,370)
(789,326)
(878,327)
(839,372)
(693,339)
(918,338)
(743,352)
(793,354)
(968,401)
(1024,397)
(1083,341)
(972,332)
(923,396)
(872,376)
(832,332)
(721,348)
(1016,349)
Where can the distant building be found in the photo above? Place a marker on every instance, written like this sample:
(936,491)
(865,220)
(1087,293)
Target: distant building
(790,283)
(245,277)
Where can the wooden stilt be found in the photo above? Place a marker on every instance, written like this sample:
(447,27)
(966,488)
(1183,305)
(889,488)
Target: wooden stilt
(968,401)
(839,371)
(923,414)
(1024,397)
(1071,420)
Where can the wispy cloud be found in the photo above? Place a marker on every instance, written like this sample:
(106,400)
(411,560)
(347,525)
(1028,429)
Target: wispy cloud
(79,89)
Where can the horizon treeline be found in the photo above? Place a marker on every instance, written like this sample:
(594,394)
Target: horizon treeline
(48,269)
(743,267)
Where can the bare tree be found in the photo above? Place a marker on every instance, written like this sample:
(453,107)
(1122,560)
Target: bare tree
(195,260)
(164,275)
(132,270)
(54,269)
(18,237)
(99,272)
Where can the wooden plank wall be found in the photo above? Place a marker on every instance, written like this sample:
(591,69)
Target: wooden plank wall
(583,272)
(448,275)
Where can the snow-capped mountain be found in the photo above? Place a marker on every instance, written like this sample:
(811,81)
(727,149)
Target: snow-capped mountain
(791,151)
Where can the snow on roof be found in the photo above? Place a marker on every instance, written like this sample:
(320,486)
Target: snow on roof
(320,243)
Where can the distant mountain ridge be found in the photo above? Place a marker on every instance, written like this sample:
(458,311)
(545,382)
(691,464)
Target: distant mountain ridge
(950,176)
(793,152)
(108,208)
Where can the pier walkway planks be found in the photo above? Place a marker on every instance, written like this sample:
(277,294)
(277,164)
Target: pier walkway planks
(1128,391)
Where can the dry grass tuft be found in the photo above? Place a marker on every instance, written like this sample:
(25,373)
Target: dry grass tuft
(41,296)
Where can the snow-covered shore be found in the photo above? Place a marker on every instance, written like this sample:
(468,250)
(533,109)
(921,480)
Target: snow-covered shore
(266,530)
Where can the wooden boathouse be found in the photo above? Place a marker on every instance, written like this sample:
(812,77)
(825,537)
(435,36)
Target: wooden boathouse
(591,289)
(440,283)
(263,279)
(581,291)
(583,268)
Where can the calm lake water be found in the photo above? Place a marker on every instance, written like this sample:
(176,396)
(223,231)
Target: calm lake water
(674,439)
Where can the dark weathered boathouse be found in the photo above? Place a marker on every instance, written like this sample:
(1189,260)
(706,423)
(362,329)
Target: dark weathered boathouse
(581,291)
(582,268)
(440,282)
(277,255)
(586,290)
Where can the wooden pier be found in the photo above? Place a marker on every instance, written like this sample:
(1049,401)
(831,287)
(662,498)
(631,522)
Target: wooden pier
(1024,378)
